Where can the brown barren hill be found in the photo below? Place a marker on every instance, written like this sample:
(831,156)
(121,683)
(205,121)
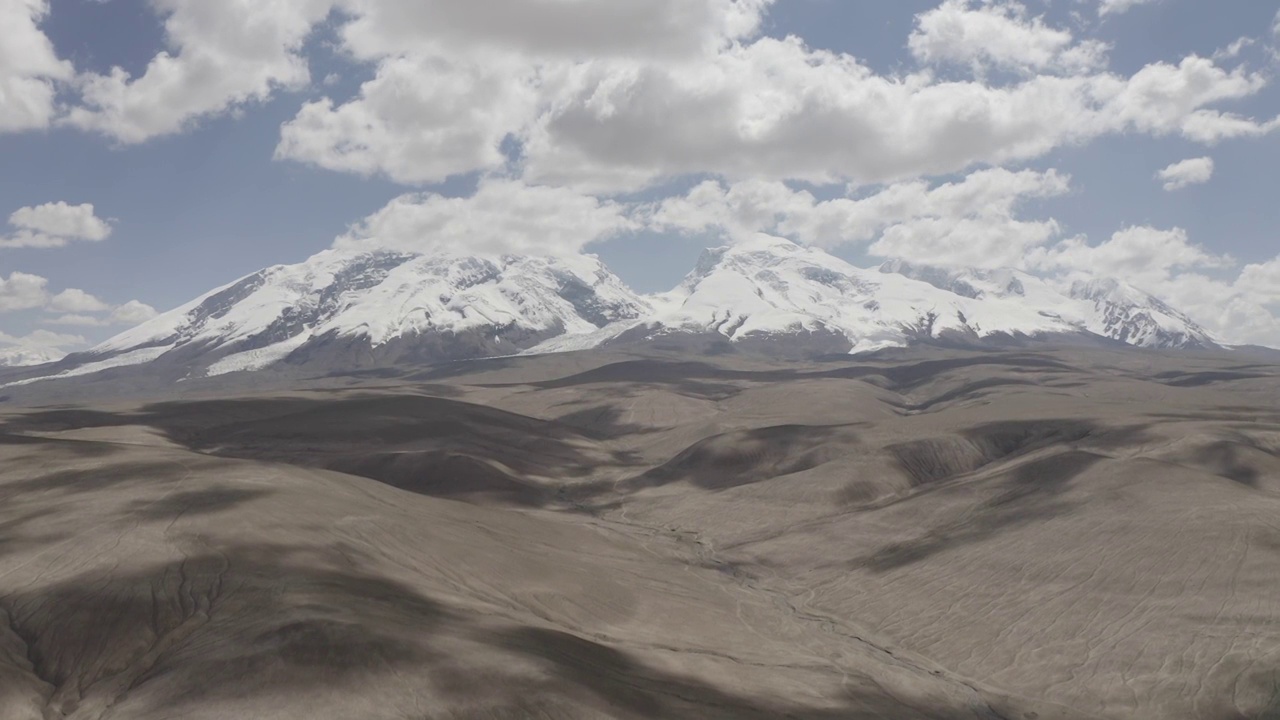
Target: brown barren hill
(1024,534)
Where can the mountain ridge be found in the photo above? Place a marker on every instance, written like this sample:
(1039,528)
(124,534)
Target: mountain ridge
(355,308)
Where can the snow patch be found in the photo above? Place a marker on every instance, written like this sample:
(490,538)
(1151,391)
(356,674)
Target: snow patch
(133,357)
(258,359)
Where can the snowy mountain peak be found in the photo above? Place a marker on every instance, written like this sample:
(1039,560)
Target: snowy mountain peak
(1123,312)
(457,305)
(1106,307)
(1110,290)
(969,282)
(348,308)
(759,249)
(770,288)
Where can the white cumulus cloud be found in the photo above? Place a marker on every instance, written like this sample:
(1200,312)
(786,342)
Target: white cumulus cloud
(22,291)
(221,55)
(776,109)
(76,301)
(549,28)
(1262,279)
(503,216)
(418,120)
(1001,35)
(133,312)
(29,67)
(72,306)
(1192,171)
(224,55)
(55,225)
(610,96)
(970,223)
(714,98)
(76,320)
(1141,254)
(1116,7)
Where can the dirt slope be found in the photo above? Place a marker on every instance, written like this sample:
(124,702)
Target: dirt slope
(1048,534)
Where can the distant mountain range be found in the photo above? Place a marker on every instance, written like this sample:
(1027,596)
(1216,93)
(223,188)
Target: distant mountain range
(23,356)
(353,309)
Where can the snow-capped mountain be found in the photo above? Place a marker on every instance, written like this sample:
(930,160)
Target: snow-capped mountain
(1105,307)
(769,288)
(23,357)
(356,308)
(971,283)
(1125,313)
(771,292)
(350,309)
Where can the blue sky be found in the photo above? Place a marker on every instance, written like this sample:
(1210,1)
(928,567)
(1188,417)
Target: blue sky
(213,139)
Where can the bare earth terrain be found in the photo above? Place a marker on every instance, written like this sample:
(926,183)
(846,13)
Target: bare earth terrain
(1027,534)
